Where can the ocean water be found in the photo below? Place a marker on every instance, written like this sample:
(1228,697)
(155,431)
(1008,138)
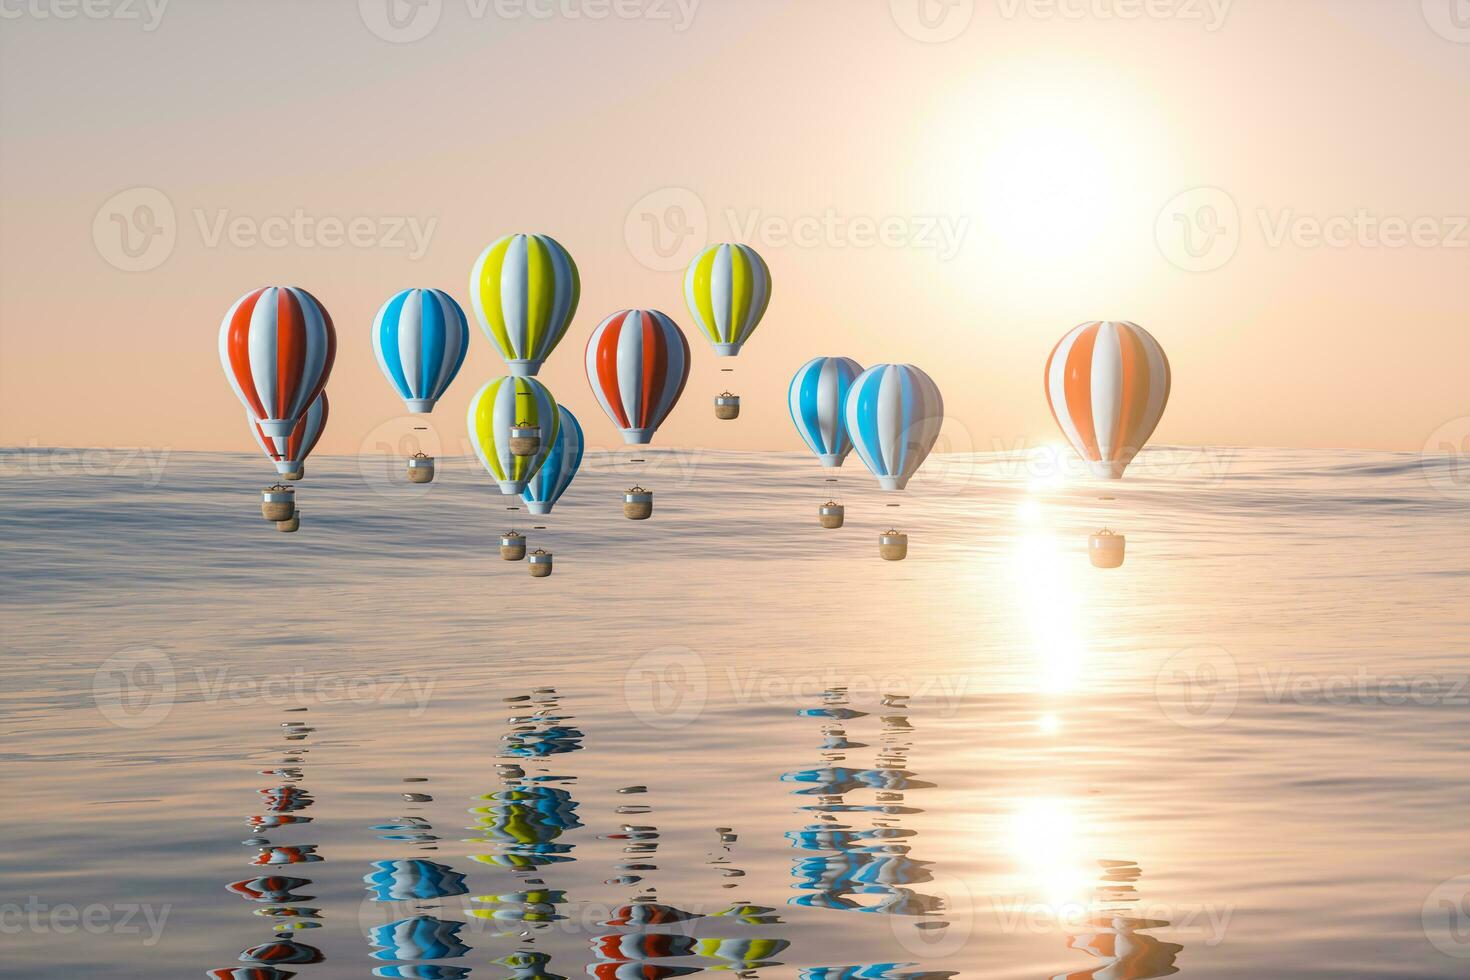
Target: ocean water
(727,739)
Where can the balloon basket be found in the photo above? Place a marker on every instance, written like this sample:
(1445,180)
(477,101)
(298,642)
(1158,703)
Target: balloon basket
(893,546)
(1106,549)
(638,504)
(278,503)
(513,546)
(291,526)
(293,475)
(421,469)
(727,407)
(831,514)
(525,441)
(539,563)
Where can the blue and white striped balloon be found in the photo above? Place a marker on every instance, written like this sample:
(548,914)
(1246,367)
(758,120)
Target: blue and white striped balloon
(421,337)
(560,468)
(894,413)
(816,398)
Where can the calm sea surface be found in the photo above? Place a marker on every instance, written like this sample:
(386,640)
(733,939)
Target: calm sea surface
(727,739)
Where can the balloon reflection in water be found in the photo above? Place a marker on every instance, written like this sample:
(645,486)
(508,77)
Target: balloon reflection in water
(1118,939)
(524,820)
(859,870)
(422,937)
(416,879)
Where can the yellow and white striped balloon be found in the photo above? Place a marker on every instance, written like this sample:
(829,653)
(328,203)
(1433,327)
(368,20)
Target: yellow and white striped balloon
(504,404)
(525,290)
(728,288)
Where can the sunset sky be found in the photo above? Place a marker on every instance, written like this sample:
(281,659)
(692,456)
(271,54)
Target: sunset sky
(1276,190)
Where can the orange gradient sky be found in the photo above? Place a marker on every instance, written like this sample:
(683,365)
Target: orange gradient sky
(1276,190)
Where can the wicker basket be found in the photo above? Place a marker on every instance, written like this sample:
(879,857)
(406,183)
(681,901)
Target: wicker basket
(513,546)
(278,503)
(831,514)
(421,469)
(1106,549)
(525,440)
(291,526)
(539,563)
(299,473)
(727,406)
(893,545)
(638,504)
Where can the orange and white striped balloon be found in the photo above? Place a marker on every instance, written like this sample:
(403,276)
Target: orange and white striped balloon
(1107,384)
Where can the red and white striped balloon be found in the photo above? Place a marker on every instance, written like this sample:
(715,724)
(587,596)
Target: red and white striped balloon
(637,364)
(1107,384)
(277,345)
(289,454)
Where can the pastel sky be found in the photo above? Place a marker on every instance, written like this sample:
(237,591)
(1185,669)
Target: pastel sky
(1276,190)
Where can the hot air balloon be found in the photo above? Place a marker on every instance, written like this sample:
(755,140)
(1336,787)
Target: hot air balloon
(637,363)
(420,337)
(728,288)
(502,405)
(1107,384)
(557,473)
(277,345)
(525,289)
(894,413)
(816,398)
(289,454)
